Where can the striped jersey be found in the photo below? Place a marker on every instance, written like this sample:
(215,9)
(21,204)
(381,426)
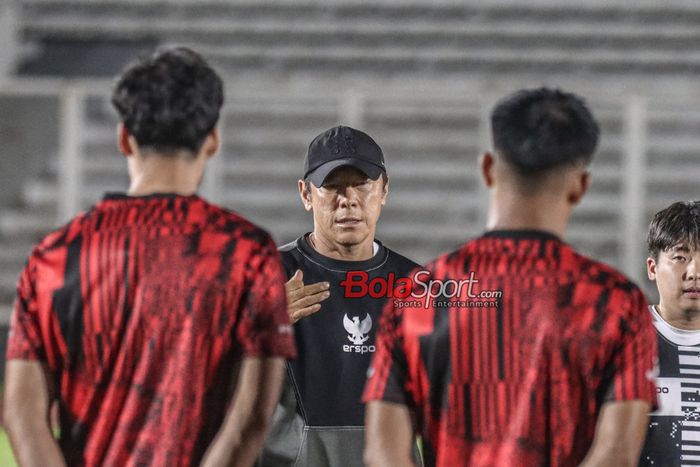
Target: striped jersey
(140,310)
(511,363)
(673,439)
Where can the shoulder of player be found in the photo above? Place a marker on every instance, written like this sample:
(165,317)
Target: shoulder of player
(621,297)
(232,223)
(448,264)
(592,270)
(62,236)
(292,258)
(219,217)
(288,248)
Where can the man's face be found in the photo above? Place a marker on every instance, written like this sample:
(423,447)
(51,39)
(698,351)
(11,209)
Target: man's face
(346,208)
(677,276)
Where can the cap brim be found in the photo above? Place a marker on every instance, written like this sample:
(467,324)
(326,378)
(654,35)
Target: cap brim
(318,176)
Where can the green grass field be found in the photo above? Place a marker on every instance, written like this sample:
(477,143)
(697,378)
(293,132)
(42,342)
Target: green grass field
(6,457)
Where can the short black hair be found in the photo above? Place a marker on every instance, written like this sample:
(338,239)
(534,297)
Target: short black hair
(169,101)
(537,130)
(678,223)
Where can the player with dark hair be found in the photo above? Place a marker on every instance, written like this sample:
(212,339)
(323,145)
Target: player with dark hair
(170,103)
(673,241)
(320,421)
(530,354)
(152,313)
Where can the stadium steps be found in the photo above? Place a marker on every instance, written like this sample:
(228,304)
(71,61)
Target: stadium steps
(432,148)
(8,281)
(23,223)
(688,174)
(672,159)
(264,143)
(432,144)
(387,37)
(13,256)
(305,28)
(12,260)
(20,228)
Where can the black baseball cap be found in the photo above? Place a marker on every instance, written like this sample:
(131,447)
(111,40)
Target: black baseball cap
(342,146)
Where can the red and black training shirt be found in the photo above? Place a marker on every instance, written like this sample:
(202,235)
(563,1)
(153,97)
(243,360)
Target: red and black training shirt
(140,310)
(518,379)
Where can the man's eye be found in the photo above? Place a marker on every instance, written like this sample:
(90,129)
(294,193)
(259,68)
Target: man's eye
(679,258)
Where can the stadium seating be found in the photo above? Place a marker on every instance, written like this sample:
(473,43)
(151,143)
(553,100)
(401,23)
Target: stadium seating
(432,148)
(425,74)
(388,36)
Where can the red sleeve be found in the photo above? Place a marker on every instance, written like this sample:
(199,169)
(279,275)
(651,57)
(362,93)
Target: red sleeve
(635,357)
(265,330)
(24,341)
(387,377)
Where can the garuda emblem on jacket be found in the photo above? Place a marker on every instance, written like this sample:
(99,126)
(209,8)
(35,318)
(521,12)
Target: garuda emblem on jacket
(357,329)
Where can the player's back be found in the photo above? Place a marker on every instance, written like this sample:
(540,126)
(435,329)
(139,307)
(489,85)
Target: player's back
(534,347)
(145,308)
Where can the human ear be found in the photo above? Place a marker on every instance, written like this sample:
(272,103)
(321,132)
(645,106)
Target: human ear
(385,191)
(583,181)
(651,269)
(124,141)
(486,164)
(212,143)
(305,195)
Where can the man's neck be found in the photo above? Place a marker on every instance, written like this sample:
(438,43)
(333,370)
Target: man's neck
(515,213)
(688,320)
(357,252)
(164,174)
(146,189)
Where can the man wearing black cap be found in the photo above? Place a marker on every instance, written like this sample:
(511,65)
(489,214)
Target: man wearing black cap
(320,421)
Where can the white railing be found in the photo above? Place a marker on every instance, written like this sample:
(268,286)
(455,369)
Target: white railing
(633,185)
(351,108)
(8,38)
(71,155)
